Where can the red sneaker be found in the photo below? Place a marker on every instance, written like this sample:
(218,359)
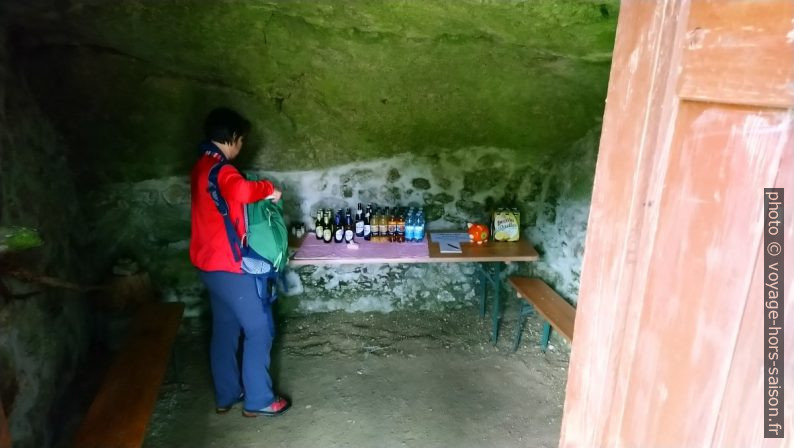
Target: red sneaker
(278,407)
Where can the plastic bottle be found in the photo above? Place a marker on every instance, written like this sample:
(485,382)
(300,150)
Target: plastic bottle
(410,227)
(419,232)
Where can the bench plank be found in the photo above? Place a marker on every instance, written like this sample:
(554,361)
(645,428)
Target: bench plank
(559,313)
(120,412)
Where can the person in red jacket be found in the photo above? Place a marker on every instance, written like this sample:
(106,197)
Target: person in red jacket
(234,299)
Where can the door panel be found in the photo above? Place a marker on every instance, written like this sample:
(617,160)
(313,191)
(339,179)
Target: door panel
(706,235)
(745,382)
(740,52)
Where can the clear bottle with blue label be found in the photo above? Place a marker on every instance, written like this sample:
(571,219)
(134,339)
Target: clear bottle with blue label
(410,226)
(419,226)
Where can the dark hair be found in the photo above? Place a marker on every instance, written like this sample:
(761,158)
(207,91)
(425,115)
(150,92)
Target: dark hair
(224,125)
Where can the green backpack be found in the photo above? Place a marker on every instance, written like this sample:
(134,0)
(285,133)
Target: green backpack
(265,255)
(266,232)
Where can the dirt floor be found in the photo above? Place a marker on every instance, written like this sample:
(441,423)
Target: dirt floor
(403,379)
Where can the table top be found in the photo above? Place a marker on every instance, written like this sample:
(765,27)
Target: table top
(309,252)
(520,250)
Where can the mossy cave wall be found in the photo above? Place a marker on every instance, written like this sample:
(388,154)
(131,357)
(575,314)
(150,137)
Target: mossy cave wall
(323,81)
(457,106)
(44,332)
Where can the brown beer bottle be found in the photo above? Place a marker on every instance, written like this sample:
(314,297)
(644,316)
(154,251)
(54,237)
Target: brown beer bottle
(401,227)
(385,230)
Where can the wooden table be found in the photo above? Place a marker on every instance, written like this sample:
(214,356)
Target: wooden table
(488,259)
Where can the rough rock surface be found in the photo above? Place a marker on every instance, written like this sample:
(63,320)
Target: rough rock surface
(44,332)
(324,82)
(456,106)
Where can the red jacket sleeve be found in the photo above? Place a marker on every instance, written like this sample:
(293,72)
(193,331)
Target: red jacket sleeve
(235,187)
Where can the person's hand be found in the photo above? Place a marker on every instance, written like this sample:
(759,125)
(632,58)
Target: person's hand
(275,196)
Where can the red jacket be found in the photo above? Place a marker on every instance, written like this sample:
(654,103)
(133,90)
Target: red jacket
(209,245)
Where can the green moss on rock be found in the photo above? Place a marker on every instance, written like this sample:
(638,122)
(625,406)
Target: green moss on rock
(18,238)
(323,82)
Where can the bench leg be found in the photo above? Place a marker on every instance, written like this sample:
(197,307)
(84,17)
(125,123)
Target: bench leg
(544,336)
(496,302)
(523,311)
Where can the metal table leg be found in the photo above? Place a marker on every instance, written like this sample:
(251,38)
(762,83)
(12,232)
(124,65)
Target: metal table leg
(492,276)
(482,286)
(496,312)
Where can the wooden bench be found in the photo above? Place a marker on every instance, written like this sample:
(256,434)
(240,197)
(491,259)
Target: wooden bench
(555,311)
(119,414)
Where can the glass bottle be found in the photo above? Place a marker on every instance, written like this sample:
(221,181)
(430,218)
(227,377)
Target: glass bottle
(375,224)
(392,229)
(339,228)
(368,223)
(349,226)
(400,237)
(318,225)
(328,233)
(360,221)
(384,226)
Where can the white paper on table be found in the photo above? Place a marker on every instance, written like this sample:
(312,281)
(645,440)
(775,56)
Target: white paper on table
(449,243)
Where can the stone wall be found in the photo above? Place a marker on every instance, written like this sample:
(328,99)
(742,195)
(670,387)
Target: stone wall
(559,231)
(44,332)
(150,221)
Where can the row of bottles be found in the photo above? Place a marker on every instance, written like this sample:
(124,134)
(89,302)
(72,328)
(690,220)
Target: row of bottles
(396,225)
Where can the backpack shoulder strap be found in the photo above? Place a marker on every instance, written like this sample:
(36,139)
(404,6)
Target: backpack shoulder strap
(214,189)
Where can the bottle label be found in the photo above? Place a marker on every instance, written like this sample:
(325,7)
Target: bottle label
(327,234)
(359,227)
(319,232)
(340,234)
(348,235)
(367,229)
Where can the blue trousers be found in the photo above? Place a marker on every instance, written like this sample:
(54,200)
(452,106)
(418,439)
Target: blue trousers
(237,307)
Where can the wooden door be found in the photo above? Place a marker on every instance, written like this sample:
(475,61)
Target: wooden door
(669,336)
